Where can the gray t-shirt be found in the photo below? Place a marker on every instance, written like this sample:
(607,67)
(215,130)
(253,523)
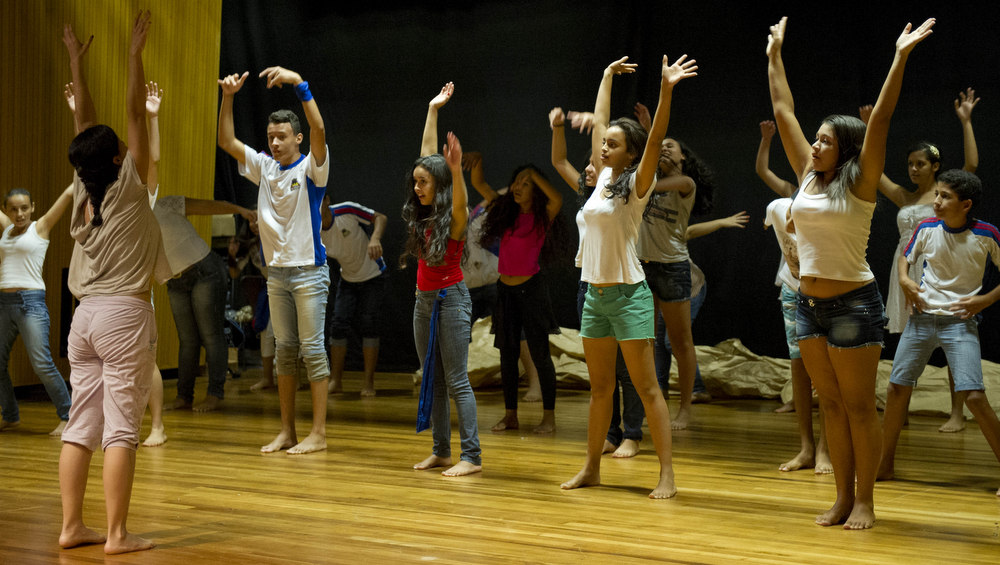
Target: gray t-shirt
(663,233)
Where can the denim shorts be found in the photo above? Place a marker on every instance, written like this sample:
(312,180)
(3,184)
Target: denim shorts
(623,311)
(926,332)
(670,282)
(850,320)
(789,308)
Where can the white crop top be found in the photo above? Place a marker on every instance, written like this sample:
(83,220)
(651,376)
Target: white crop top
(832,235)
(21,259)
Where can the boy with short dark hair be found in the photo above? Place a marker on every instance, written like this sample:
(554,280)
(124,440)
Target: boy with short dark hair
(954,247)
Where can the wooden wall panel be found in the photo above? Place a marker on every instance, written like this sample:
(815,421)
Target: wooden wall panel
(182,55)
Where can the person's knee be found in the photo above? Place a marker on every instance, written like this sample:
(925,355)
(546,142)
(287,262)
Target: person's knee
(976,398)
(897,391)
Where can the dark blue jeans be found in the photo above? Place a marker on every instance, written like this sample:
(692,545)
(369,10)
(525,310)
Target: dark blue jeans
(198,302)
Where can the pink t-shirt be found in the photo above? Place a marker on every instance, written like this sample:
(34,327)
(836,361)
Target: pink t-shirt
(520,246)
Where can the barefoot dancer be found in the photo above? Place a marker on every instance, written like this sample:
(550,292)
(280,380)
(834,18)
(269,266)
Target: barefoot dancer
(923,164)
(112,342)
(520,220)
(23,243)
(291,189)
(840,315)
(618,310)
(436,213)
(810,454)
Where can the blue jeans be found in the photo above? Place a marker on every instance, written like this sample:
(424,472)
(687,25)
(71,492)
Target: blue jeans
(25,312)
(926,332)
(851,320)
(451,375)
(662,350)
(198,302)
(297,298)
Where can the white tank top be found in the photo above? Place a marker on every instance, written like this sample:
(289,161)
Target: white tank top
(21,259)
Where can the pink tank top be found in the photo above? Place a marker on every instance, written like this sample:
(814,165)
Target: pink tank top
(520,246)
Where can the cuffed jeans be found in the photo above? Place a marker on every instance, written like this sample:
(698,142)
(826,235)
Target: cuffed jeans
(297,297)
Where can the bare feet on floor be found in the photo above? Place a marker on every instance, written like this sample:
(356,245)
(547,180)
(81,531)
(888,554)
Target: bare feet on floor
(785,408)
(804,460)
(180,404)
(628,448)
(837,514)
(463,468)
(682,420)
(548,423)
(533,395)
(5,425)
(508,422)
(210,403)
(823,464)
(59,429)
(156,438)
(432,462)
(862,517)
(368,392)
(262,384)
(81,535)
(953,425)
(335,387)
(127,544)
(283,441)
(665,488)
(701,398)
(313,442)
(608,447)
(585,478)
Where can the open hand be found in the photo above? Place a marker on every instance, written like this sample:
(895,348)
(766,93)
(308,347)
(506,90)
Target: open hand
(140,30)
(865,112)
(969,306)
(70,97)
(680,70)
(641,113)
(75,49)
(581,121)
(909,39)
(737,220)
(964,104)
(154,95)
(279,76)
(620,67)
(444,96)
(472,160)
(452,152)
(233,83)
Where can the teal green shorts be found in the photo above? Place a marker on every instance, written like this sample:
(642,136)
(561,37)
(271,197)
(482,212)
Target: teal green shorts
(623,311)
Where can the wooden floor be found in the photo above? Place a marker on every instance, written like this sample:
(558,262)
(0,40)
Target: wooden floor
(208,496)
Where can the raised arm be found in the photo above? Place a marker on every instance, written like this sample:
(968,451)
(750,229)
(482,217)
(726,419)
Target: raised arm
(641,113)
(670,75)
(378,230)
(738,220)
(154,96)
(45,224)
(602,107)
(199,207)
(473,162)
(452,152)
(135,97)
(77,93)
(872,159)
(964,104)
(797,147)
(227,133)
(555,199)
(279,76)
(780,187)
(429,141)
(557,121)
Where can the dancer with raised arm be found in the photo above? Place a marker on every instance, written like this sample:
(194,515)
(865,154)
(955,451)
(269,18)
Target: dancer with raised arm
(436,214)
(618,308)
(840,316)
(290,190)
(112,341)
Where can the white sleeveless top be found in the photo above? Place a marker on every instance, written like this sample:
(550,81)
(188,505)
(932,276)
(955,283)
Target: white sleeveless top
(21,259)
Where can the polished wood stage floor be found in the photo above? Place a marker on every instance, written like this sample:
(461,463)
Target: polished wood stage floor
(209,496)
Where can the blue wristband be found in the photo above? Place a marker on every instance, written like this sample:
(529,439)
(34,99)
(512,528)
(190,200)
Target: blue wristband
(302,91)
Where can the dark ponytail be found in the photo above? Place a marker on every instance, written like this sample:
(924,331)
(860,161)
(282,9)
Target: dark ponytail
(92,153)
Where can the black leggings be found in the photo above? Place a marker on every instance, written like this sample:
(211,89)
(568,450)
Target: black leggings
(525,310)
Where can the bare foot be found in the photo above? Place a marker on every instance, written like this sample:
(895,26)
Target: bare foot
(5,425)
(129,543)
(861,518)
(785,408)
(804,460)
(508,422)
(262,384)
(463,468)
(608,447)
(180,404)
(548,423)
(81,535)
(953,425)
(283,441)
(585,478)
(59,429)
(665,488)
(533,395)
(823,464)
(432,462)
(368,392)
(682,420)
(156,438)
(335,387)
(701,398)
(210,403)
(313,442)
(628,448)
(837,514)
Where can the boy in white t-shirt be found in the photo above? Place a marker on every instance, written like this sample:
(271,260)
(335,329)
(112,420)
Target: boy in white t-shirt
(954,248)
(291,189)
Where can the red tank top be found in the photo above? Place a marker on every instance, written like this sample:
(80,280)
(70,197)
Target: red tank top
(444,275)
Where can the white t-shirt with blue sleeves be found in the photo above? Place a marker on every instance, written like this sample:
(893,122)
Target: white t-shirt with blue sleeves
(954,260)
(347,241)
(288,207)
